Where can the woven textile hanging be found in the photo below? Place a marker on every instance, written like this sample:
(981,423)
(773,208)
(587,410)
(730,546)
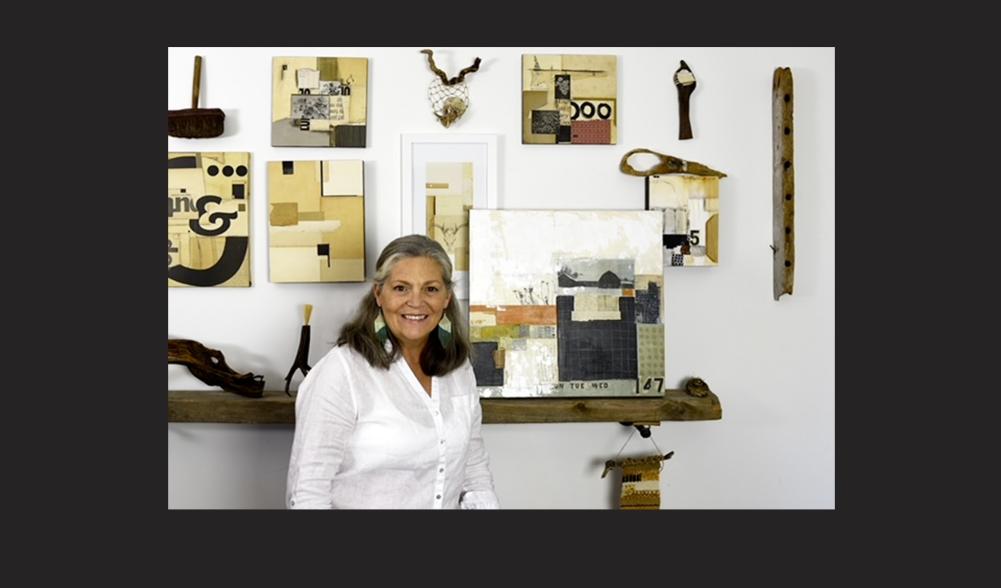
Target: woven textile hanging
(640,475)
(641,483)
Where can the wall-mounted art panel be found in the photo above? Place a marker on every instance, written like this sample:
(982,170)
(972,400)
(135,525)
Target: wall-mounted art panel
(449,199)
(208,219)
(316,221)
(691,217)
(319,101)
(569,99)
(566,303)
(444,176)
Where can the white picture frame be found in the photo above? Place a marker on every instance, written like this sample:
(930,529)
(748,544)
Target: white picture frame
(417,150)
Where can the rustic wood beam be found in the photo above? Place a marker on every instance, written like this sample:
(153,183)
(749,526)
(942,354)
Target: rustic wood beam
(214,406)
(676,405)
(783,184)
(211,406)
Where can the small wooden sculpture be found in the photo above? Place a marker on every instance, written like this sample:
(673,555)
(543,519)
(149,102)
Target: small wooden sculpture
(684,79)
(697,387)
(301,360)
(194,122)
(449,97)
(209,366)
(667,165)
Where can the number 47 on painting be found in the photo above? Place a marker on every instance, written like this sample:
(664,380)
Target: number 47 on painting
(649,382)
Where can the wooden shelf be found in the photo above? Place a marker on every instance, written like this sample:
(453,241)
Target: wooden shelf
(217,406)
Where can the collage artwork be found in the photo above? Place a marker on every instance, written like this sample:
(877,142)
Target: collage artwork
(560,302)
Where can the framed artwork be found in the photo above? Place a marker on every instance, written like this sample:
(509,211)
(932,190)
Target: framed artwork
(569,99)
(316,221)
(208,219)
(691,217)
(567,303)
(444,176)
(319,101)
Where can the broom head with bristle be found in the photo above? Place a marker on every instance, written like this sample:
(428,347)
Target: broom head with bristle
(194,122)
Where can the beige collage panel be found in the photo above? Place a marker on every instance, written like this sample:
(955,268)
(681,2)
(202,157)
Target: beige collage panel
(569,99)
(449,187)
(316,221)
(691,217)
(208,219)
(319,101)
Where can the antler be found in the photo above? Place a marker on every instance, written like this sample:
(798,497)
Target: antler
(441,74)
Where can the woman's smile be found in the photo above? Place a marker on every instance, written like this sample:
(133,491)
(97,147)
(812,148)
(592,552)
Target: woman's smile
(413,299)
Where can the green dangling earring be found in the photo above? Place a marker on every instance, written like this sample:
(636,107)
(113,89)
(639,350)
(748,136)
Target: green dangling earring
(444,330)
(381,331)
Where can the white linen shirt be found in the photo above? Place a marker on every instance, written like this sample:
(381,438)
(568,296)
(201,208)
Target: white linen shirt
(370,438)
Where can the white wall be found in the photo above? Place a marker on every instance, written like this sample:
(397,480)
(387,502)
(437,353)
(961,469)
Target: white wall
(771,363)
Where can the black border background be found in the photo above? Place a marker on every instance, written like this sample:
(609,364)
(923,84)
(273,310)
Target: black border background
(105,462)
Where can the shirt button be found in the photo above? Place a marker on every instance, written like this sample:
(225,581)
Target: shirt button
(442,441)
(440,470)
(438,497)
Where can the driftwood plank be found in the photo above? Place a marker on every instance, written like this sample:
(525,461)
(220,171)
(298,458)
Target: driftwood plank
(783,184)
(275,407)
(677,405)
(213,406)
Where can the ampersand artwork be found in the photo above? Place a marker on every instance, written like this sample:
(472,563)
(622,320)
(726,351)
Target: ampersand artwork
(208,234)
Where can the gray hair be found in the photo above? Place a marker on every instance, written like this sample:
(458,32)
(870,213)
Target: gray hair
(412,246)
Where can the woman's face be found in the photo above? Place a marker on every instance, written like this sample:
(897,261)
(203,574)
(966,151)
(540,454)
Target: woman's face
(413,299)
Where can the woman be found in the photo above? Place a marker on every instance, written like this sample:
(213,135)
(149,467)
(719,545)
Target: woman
(390,417)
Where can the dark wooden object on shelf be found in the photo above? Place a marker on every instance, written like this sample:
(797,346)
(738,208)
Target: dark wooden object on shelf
(209,366)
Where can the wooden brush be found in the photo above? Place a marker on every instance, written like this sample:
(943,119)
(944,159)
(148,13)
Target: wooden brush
(194,122)
(301,361)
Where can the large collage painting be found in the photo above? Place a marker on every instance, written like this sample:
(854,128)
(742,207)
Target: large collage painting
(567,303)
(208,219)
